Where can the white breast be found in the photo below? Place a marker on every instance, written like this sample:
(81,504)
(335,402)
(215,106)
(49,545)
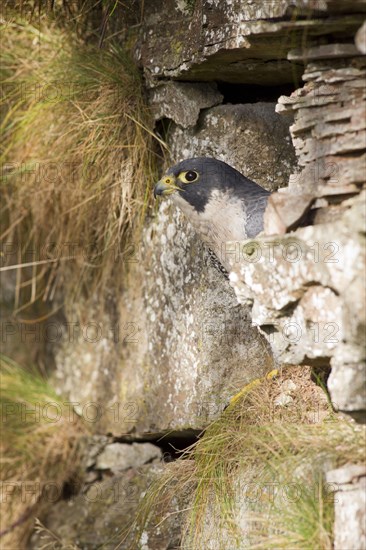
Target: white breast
(223,219)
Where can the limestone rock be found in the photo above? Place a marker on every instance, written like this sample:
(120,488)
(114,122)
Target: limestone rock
(175,346)
(95,446)
(347,385)
(328,51)
(283,212)
(360,39)
(182,101)
(101,515)
(200,344)
(283,399)
(121,456)
(350,506)
(234,39)
(348,474)
(329,140)
(304,289)
(180,348)
(250,137)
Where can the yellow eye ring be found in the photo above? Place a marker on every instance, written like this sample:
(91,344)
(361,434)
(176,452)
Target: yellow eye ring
(190,176)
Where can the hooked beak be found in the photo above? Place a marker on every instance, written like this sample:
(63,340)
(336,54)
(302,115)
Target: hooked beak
(166,186)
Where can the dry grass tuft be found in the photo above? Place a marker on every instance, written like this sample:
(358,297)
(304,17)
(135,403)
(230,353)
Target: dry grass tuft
(41,446)
(257,473)
(79,157)
(49,540)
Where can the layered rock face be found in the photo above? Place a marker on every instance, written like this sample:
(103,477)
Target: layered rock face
(173,340)
(305,285)
(182,345)
(224,80)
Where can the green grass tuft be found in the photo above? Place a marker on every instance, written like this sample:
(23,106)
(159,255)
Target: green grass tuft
(41,443)
(257,475)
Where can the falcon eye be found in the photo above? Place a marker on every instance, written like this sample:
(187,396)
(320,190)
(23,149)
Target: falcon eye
(188,177)
(191,176)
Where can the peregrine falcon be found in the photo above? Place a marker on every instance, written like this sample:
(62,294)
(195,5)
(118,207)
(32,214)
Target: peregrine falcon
(222,204)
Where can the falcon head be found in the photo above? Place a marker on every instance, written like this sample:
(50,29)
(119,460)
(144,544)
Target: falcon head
(196,180)
(211,191)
